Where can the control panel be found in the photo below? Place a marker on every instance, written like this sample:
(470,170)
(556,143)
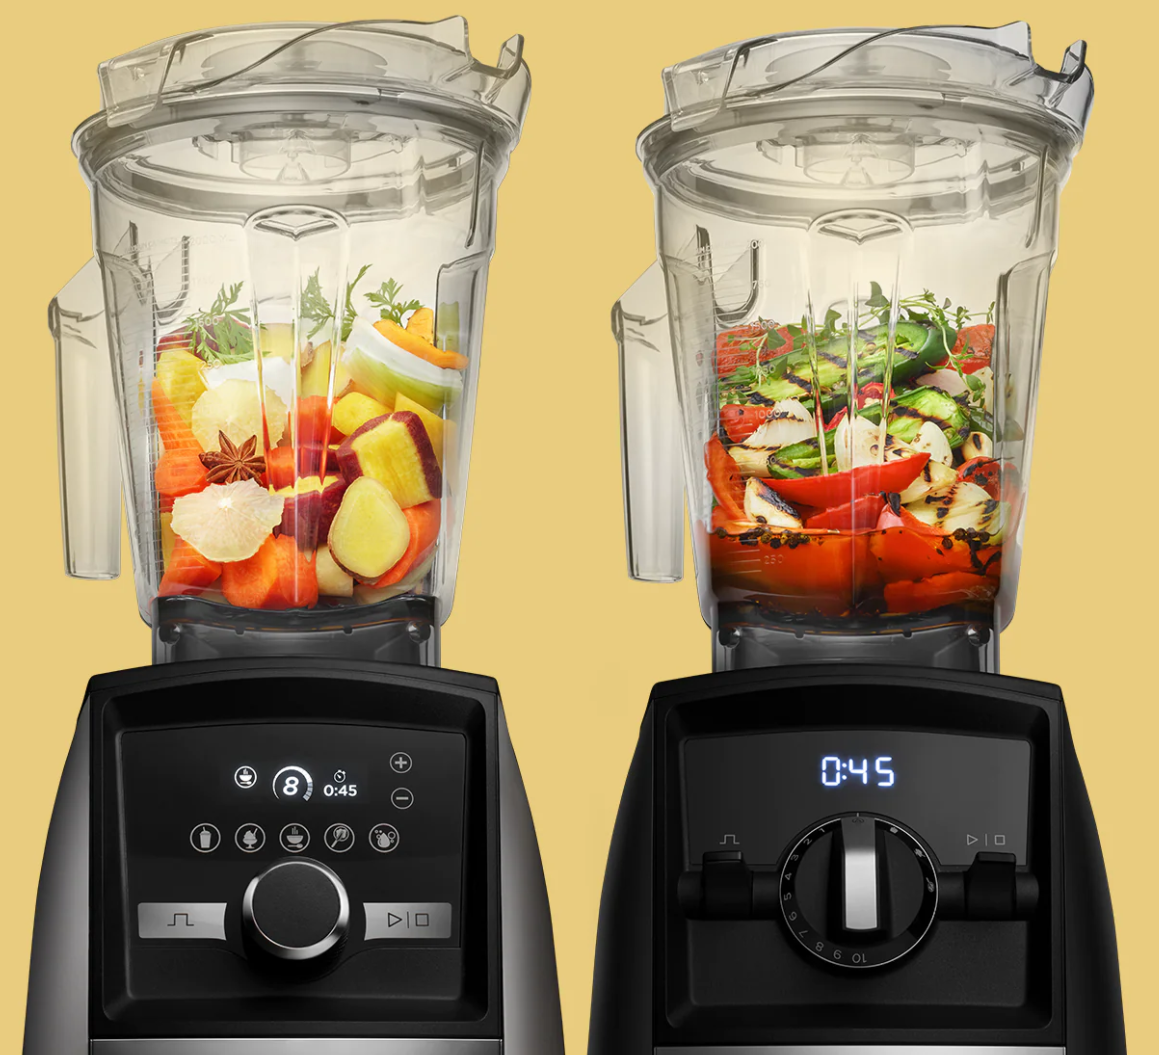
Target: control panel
(314,868)
(381,809)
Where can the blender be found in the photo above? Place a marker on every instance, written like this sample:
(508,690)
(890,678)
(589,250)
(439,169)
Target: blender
(855,835)
(293,832)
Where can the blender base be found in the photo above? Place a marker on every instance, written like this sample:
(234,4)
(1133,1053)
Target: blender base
(400,630)
(958,646)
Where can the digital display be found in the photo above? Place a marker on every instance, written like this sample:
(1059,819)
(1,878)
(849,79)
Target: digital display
(755,793)
(296,784)
(872,772)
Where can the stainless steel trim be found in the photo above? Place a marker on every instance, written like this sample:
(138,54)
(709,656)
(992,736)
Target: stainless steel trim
(859,873)
(181,919)
(282,952)
(407,920)
(857,1049)
(296,1046)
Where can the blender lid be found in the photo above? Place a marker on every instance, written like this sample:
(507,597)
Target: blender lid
(940,63)
(424,62)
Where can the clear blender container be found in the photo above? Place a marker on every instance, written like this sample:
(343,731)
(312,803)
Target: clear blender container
(292,226)
(835,357)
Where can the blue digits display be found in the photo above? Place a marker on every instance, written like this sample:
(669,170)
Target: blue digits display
(836,771)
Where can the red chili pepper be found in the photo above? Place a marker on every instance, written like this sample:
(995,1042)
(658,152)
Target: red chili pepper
(838,489)
(985,472)
(859,515)
(724,478)
(739,347)
(972,348)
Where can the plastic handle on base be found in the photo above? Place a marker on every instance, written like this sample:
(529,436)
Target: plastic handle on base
(87,429)
(650,432)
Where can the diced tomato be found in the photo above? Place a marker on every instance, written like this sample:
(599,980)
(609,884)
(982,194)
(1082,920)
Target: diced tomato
(740,422)
(985,473)
(973,348)
(840,488)
(724,478)
(741,346)
(801,572)
(938,591)
(859,515)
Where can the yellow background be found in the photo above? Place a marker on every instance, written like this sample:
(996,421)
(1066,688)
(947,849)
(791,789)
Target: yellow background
(544,603)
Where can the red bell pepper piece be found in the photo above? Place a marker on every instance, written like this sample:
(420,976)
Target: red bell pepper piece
(938,591)
(724,478)
(973,348)
(800,572)
(741,346)
(903,554)
(985,472)
(838,489)
(740,422)
(861,514)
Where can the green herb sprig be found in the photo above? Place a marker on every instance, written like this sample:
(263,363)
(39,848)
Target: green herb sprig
(315,306)
(386,300)
(224,334)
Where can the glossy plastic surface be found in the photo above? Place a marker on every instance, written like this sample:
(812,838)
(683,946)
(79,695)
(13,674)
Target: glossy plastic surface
(855,230)
(292,229)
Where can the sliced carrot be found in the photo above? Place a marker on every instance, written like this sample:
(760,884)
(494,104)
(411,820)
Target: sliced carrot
(179,473)
(297,583)
(248,583)
(175,433)
(313,421)
(278,576)
(187,571)
(412,342)
(424,520)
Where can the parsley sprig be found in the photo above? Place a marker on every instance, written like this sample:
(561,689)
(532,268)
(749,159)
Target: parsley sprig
(223,334)
(318,309)
(386,300)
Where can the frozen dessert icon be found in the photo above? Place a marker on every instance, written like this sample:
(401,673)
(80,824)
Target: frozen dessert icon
(384,838)
(294,838)
(250,838)
(339,838)
(245,777)
(205,838)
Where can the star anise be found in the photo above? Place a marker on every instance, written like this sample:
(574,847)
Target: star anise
(233,463)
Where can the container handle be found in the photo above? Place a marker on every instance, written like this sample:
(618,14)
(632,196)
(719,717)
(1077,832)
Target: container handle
(87,429)
(650,431)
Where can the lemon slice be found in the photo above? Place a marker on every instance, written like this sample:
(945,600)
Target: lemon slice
(227,522)
(233,407)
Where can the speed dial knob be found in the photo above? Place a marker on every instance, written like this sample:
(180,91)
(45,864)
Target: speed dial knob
(858,891)
(296,911)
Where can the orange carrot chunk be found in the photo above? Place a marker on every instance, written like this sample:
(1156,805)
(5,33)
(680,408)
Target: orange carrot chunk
(424,520)
(180,472)
(187,571)
(176,435)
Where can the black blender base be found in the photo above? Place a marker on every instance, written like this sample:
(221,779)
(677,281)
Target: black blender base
(255,857)
(834,858)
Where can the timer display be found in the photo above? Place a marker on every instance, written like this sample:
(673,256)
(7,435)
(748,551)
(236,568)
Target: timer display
(872,772)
